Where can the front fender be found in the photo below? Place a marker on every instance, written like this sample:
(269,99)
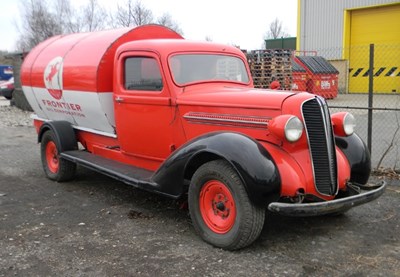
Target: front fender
(248,157)
(358,156)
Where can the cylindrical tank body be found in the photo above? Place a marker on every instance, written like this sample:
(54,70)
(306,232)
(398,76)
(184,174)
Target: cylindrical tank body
(70,77)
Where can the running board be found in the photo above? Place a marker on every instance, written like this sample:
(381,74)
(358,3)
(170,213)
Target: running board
(128,174)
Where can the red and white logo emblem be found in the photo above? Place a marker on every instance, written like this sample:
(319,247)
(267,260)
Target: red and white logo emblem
(53,77)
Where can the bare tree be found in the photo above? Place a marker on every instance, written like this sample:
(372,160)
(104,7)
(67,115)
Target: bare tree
(66,16)
(94,16)
(276,30)
(132,14)
(141,15)
(41,20)
(38,24)
(70,19)
(167,21)
(393,143)
(90,17)
(123,16)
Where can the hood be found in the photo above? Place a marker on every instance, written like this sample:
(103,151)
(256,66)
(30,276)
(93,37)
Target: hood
(234,97)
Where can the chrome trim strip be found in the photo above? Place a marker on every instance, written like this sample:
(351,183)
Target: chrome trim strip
(35,117)
(219,118)
(94,131)
(329,138)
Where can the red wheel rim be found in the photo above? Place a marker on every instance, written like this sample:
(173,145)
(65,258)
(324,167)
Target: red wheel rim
(217,207)
(52,157)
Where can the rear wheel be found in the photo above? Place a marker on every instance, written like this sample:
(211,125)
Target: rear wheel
(220,208)
(55,168)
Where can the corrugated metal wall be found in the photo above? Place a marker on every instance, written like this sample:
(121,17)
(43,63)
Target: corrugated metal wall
(321,23)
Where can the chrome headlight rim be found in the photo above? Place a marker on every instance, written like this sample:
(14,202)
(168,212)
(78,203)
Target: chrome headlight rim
(349,124)
(293,129)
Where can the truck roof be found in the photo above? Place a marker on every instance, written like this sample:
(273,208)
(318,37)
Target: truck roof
(87,58)
(169,46)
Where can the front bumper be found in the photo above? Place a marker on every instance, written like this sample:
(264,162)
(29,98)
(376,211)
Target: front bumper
(365,194)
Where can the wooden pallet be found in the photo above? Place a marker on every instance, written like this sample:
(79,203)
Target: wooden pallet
(270,64)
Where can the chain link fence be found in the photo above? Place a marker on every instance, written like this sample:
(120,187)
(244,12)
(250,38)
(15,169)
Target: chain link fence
(372,96)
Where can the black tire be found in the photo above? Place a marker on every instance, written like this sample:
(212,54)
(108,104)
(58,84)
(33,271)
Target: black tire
(8,97)
(54,167)
(248,219)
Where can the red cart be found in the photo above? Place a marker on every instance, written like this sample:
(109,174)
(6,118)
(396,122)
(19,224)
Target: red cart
(323,77)
(299,77)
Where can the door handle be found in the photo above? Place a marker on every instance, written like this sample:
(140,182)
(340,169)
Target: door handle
(119,99)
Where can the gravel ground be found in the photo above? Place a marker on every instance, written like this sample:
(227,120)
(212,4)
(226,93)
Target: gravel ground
(11,116)
(97,226)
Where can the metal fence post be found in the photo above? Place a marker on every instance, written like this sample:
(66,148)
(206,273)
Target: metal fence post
(370,95)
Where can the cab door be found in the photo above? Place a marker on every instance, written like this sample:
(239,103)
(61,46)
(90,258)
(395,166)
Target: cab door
(143,110)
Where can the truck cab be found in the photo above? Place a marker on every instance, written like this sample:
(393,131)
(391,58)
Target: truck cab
(183,119)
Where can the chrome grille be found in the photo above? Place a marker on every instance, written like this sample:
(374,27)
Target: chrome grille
(322,145)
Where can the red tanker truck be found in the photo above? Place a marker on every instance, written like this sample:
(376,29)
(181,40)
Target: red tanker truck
(178,118)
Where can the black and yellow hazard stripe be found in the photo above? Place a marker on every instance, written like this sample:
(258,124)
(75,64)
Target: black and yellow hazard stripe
(384,71)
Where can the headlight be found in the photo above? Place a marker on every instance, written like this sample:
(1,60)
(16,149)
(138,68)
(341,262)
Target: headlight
(349,123)
(293,129)
(287,127)
(343,123)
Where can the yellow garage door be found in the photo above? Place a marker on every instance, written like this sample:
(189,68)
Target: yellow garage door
(380,26)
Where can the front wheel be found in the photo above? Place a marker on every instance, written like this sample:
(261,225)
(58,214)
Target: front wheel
(55,168)
(221,211)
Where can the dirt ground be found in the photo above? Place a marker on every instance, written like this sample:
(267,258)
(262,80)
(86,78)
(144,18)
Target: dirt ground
(95,226)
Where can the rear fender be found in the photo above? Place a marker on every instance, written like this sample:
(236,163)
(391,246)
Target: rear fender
(248,157)
(64,134)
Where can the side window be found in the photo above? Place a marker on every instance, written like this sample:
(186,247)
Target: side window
(142,73)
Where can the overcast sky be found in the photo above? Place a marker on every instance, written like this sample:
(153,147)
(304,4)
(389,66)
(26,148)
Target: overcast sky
(242,23)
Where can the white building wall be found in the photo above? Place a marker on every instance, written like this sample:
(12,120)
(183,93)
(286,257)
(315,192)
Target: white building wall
(321,23)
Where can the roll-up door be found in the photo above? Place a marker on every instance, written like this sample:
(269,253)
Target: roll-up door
(380,26)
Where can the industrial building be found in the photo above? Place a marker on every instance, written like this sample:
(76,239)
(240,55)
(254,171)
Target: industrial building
(342,31)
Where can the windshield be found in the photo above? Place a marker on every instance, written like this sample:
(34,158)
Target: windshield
(192,68)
